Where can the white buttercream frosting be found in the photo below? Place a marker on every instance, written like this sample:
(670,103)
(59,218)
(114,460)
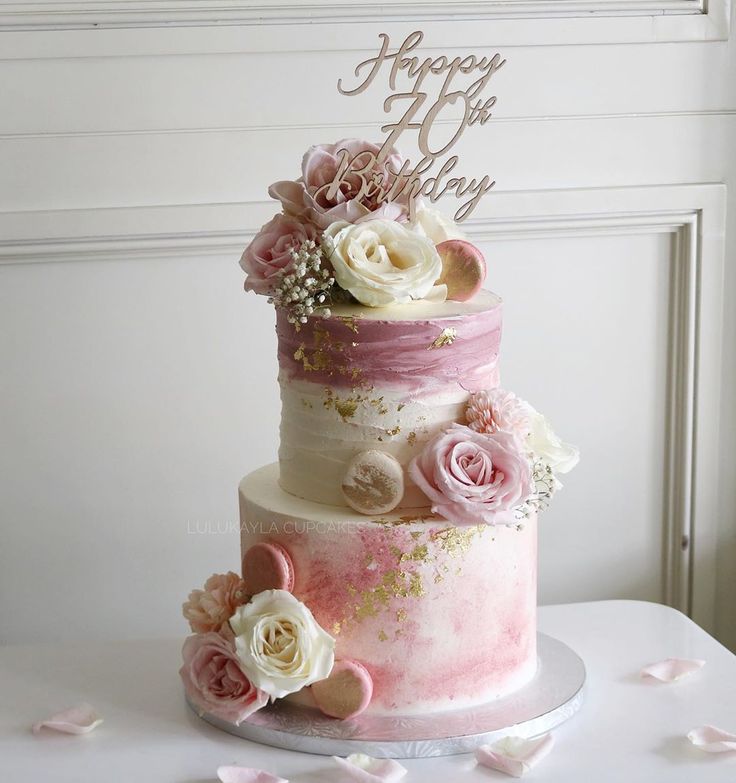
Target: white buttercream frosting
(322,430)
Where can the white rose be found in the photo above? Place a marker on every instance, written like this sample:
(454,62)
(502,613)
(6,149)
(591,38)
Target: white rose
(561,457)
(280,645)
(381,262)
(433,224)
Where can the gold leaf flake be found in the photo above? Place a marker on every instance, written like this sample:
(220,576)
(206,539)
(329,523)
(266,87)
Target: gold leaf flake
(382,636)
(446,337)
(346,408)
(396,552)
(456,541)
(350,321)
(416,589)
(419,554)
(411,438)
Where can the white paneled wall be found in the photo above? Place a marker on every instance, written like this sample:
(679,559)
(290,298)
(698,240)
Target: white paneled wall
(138,381)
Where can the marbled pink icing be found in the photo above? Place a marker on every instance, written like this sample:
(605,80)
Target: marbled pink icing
(382,381)
(461,628)
(394,354)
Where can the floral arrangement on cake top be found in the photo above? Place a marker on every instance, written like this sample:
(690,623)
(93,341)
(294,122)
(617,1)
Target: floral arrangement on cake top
(337,244)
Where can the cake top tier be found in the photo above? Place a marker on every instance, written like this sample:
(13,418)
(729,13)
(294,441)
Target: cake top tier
(352,385)
(388,351)
(420,348)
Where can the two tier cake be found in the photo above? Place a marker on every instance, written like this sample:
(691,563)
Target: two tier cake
(389,558)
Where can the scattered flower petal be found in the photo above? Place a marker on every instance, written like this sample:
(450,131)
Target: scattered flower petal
(365,769)
(235,774)
(514,755)
(711,739)
(672,669)
(76,720)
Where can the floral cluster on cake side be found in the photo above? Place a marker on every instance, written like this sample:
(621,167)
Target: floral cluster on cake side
(499,467)
(247,650)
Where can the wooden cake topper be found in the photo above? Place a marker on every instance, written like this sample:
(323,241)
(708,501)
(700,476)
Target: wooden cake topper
(422,112)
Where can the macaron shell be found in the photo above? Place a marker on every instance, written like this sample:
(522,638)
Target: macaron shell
(373,482)
(346,692)
(267,566)
(463,269)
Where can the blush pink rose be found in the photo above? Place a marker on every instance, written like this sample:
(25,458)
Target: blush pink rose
(473,478)
(301,199)
(211,609)
(215,681)
(269,254)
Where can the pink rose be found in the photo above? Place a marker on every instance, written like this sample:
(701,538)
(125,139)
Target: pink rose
(319,166)
(210,609)
(269,254)
(496,409)
(471,477)
(215,681)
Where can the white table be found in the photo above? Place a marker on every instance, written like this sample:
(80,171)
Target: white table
(627,731)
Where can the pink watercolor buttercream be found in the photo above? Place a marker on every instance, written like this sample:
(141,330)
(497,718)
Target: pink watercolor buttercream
(440,616)
(416,356)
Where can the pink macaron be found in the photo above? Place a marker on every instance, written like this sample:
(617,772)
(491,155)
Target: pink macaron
(463,269)
(346,692)
(267,566)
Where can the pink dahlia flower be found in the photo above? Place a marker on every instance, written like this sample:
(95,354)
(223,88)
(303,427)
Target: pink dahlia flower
(496,409)
(210,609)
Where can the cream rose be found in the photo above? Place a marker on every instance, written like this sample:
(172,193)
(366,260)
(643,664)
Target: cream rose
(435,226)
(381,262)
(280,645)
(547,446)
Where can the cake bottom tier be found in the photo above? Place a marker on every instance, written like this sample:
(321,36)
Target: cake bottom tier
(442,617)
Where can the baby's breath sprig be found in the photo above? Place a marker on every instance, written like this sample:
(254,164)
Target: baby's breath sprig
(305,286)
(545,486)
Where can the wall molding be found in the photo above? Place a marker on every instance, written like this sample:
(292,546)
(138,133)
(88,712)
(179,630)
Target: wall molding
(59,14)
(693,214)
(101,28)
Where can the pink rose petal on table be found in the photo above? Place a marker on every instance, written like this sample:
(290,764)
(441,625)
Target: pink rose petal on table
(361,768)
(672,669)
(235,774)
(711,739)
(76,720)
(514,755)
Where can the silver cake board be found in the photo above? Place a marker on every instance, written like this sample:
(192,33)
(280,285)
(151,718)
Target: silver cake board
(554,695)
